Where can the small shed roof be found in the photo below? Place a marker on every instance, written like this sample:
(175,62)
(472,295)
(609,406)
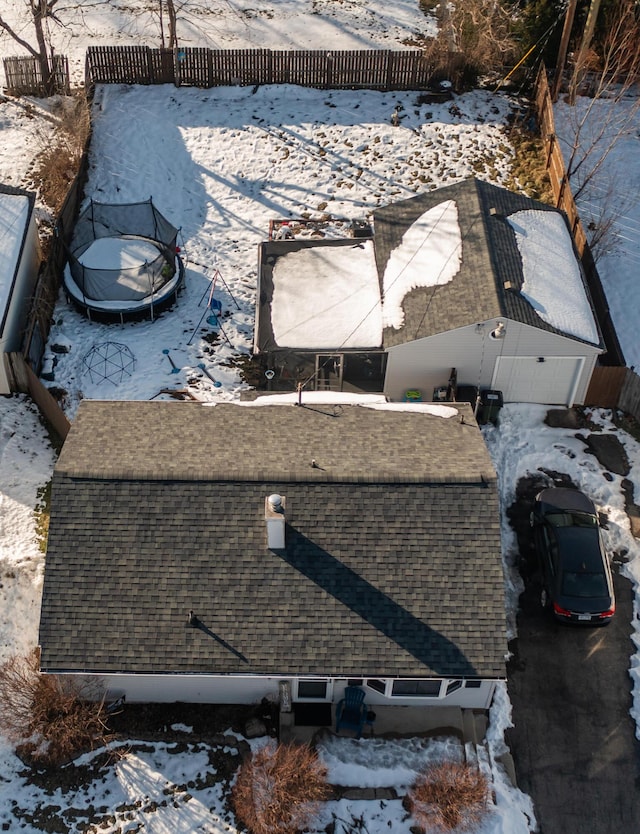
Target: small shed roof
(392,561)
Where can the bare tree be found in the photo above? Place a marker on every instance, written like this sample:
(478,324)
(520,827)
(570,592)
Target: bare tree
(171,41)
(611,77)
(482,30)
(40,13)
(173,24)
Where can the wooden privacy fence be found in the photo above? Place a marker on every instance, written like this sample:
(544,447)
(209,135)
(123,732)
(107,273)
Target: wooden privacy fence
(23,76)
(29,383)
(555,161)
(612,387)
(45,294)
(201,67)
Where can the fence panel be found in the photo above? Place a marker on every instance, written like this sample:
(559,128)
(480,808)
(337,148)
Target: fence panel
(193,67)
(162,66)
(119,65)
(198,67)
(629,399)
(48,405)
(24,76)
(605,386)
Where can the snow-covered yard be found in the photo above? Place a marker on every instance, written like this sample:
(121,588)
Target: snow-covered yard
(221,164)
(611,199)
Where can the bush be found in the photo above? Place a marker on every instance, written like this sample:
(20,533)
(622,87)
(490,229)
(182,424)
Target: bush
(278,789)
(449,795)
(59,158)
(49,720)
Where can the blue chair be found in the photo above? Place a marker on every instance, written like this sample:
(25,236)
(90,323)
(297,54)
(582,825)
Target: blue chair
(216,311)
(351,711)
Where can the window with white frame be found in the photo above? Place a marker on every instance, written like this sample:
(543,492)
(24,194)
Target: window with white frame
(419,687)
(416,688)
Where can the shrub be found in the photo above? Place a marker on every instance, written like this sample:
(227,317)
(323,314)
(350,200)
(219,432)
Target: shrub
(449,795)
(48,719)
(278,789)
(59,157)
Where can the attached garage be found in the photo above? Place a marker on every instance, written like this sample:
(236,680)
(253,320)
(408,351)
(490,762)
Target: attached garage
(549,379)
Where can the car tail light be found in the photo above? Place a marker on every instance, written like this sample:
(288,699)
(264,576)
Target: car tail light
(606,614)
(562,612)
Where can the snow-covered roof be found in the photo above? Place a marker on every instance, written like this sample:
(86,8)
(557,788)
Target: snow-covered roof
(429,255)
(486,269)
(14,215)
(327,298)
(552,280)
(443,260)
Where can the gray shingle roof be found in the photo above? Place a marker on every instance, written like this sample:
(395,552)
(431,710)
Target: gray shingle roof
(490,256)
(382,574)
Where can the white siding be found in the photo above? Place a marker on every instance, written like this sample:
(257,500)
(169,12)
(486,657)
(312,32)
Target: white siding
(192,689)
(250,689)
(426,363)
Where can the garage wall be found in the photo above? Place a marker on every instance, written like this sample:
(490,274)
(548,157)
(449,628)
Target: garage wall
(426,363)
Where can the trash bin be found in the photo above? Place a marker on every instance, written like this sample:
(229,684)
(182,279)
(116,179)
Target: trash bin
(466,394)
(490,404)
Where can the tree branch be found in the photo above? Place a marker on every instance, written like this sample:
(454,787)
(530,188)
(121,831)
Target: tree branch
(16,37)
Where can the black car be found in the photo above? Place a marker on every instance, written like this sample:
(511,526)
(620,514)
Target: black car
(574,568)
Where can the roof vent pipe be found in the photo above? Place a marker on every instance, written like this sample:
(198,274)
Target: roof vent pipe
(274,514)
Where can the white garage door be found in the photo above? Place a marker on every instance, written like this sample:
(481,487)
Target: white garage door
(527,379)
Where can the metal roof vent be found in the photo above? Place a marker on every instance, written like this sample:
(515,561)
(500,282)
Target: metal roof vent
(274,515)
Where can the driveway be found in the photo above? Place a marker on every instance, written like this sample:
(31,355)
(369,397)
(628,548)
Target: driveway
(574,742)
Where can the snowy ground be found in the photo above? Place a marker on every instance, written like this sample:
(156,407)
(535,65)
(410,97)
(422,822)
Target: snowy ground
(221,164)
(233,159)
(227,24)
(611,199)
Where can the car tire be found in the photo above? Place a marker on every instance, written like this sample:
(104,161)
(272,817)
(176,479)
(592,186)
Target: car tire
(545,602)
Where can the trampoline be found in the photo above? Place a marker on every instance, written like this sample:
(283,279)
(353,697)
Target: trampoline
(123,261)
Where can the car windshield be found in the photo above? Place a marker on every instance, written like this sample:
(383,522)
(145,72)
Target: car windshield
(571,519)
(584,584)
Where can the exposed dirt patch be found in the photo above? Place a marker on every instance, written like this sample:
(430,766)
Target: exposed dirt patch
(568,418)
(609,451)
(153,722)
